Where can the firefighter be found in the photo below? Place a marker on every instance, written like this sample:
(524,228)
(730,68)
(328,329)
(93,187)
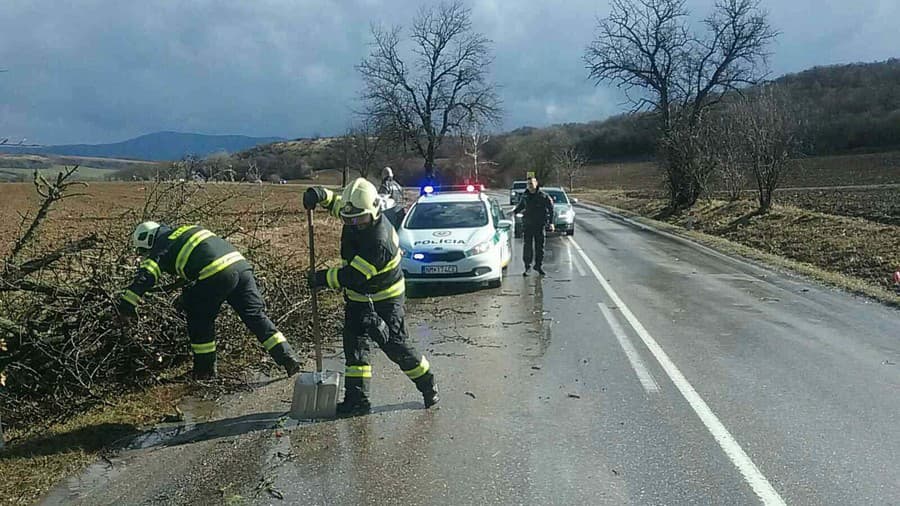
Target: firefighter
(374,288)
(537,207)
(215,273)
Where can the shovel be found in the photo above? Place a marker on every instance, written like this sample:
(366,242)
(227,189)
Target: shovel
(315,393)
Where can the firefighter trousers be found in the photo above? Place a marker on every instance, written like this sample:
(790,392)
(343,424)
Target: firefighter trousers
(203,301)
(384,323)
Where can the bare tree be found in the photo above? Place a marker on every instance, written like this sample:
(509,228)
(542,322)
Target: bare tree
(691,147)
(427,95)
(647,47)
(342,152)
(364,144)
(218,167)
(569,164)
(473,138)
(729,152)
(768,134)
(253,174)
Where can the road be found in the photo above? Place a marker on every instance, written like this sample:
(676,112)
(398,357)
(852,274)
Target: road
(642,370)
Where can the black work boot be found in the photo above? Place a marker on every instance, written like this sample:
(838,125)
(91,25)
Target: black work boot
(356,398)
(540,270)
(354,406)
(527,270)
(285,356)
(204,367)
(427,386)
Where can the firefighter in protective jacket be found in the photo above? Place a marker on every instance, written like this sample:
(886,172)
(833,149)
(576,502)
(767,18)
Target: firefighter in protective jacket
(374,288)
(216,273)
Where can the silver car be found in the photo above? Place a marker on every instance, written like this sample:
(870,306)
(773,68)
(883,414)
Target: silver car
(516,191)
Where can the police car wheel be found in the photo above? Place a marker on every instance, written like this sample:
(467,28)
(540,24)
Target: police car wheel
(495,283)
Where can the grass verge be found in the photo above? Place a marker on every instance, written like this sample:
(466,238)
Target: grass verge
(31,464)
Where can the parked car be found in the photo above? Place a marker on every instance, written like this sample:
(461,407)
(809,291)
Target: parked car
(515,193)
(455,236)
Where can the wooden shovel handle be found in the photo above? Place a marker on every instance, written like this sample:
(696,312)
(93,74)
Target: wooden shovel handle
(317,336)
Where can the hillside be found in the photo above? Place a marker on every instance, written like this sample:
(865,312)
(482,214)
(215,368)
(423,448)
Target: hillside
(157,146)
(852,107)
(849,108)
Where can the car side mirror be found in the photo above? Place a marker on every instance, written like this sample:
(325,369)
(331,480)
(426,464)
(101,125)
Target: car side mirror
(574,201)
(504,224)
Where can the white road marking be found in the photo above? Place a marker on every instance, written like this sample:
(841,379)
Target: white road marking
(637,364)
(754,477)
(574,261)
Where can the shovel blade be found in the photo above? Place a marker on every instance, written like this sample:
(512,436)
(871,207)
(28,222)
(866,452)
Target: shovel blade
(315,395)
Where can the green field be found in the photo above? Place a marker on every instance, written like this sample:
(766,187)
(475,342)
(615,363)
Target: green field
(84,173)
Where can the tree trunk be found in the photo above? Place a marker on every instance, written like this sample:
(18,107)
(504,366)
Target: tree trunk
(429,161)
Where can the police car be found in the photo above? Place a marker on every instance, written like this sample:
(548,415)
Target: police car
(455,234)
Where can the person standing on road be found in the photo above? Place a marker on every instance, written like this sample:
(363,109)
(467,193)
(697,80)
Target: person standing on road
(390,187)
(537,209)
(216,272)
(374,293)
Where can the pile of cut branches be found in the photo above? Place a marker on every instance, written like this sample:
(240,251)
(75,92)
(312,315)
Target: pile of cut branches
(62,348)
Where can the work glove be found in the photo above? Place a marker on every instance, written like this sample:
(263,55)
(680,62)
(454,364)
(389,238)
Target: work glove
(312,196)
(178,304)
(317,279)
(375,327)
(126,313)
(550,228)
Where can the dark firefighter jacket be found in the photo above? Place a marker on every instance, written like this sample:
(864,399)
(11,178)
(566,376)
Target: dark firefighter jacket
(189,252)
(371,259)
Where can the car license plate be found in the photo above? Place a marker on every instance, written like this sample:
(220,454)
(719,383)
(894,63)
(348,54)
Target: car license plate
(439,269)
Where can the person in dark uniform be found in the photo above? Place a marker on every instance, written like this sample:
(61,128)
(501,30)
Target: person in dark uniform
(391,188)
(374,293)
(216,273)
(537,209)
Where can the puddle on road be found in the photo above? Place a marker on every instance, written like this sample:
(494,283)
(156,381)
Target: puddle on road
(194,411)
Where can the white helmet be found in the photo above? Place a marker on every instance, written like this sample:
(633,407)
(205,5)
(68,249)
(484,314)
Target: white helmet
(360,198)
(144,234)
(387,172)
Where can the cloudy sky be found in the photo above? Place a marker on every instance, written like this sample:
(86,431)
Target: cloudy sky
(107,70)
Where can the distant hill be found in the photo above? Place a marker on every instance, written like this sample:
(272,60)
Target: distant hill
(849,108)
(156,146)
(853,107)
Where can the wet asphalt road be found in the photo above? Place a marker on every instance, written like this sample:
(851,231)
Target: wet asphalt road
(684,377)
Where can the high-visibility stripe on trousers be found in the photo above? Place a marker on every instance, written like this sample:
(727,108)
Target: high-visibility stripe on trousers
(359,334)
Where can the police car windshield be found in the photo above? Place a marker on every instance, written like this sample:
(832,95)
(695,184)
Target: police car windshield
(557,196)
(427,215)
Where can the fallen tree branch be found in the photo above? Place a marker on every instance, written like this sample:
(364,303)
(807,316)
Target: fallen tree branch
(52,192)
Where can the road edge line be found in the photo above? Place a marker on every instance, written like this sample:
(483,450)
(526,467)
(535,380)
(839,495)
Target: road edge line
(748,469)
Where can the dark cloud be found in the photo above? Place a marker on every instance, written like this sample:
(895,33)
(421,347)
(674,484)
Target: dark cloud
(105,70)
